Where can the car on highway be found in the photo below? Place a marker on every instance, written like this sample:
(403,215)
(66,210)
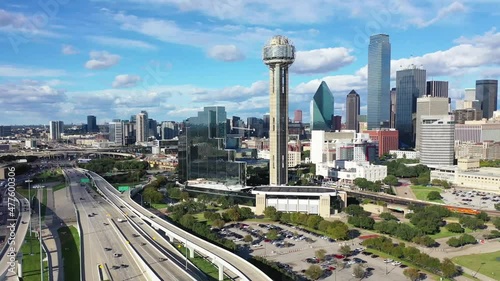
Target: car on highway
(117,255)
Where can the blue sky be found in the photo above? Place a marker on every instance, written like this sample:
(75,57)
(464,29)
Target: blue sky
(69,58)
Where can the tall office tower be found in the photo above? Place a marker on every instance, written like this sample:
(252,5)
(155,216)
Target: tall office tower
(132,118)
(92,124)
(129,132)
(266,119)
(379,78)
(142,129)
(428,106)
(437,89)
(353,106)
(322,106)
(437,140)
(297,116)
(152,124)
(393,107)
(116,132)
(337,123)
(56,129)
(410,85)
(278,54)
(169,130)
(487,94)
(5,131)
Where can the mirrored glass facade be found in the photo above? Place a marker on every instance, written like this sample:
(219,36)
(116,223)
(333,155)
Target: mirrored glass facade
(203,152)
(322,108)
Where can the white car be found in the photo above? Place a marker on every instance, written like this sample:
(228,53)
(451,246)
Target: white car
(388,261)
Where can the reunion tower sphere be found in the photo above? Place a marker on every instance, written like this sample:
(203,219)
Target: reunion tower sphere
(279,50)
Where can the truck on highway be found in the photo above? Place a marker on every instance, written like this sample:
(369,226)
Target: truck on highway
(121,220)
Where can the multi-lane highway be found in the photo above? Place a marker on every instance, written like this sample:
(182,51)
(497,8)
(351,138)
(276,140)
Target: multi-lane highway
(249,271)
(162,264)
(100,244)
(8,258)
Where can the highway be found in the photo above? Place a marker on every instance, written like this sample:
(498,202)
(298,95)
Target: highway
(249,271)
(165,266)
(98,235)
(16,243)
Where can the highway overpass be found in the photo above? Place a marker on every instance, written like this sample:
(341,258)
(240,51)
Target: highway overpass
(223,259)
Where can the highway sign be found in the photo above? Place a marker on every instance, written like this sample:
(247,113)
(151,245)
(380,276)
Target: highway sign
(84,180)
(123,188)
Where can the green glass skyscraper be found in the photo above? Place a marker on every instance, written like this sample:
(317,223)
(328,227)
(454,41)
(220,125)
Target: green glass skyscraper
(322,108)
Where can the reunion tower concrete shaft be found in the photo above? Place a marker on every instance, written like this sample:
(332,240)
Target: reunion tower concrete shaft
(278,54)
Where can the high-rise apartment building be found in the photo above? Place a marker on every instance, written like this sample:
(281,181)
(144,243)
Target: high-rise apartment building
(410,85)
(353,106)
(393,107)
(428,106)
(56,129)
(278,54)
(437,140)
(116,132)
(169,130)
(437,89)
(322,106)
(379,76)
(487,94)
(142,127)
(297,116)
(467,114)
(152,124)
(92,124)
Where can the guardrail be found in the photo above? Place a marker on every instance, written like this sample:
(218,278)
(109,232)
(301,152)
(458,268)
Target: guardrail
(200,249)
(137,257)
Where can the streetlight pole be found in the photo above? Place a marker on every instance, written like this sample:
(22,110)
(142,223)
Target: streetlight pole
(186,254)
(29,208)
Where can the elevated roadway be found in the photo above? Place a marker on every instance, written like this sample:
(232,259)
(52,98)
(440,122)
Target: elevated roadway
(163,265)
(223,259)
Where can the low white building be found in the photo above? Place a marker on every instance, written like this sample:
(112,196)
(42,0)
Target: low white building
(30,144)
(347,171)
(405,154)
(468,174)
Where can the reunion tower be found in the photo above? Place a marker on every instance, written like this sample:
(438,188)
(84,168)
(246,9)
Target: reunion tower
(278,54)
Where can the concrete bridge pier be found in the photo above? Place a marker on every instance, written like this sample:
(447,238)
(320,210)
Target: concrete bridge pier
(221,272)
(191,252)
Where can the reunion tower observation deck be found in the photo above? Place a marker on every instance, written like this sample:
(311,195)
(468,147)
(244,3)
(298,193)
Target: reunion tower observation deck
(278,54)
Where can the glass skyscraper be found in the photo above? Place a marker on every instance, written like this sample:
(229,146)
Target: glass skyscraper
(379,75)
(487,95)
(202,149)
(410,85)
(322,108)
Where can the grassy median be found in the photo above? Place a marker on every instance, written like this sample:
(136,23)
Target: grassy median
(70,244)
(31,263)
(204,265)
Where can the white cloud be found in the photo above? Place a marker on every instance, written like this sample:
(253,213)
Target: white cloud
(233,93)
(226,53)
(69,50)
(121,42)
(126,81)
(321,60)
(11,22)
(18,71)
(444,12)
(101,60)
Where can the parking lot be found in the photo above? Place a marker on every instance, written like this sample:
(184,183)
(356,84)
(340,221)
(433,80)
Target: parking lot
(471,198)
(295,248)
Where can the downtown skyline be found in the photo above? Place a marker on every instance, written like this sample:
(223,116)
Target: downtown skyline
(115,60)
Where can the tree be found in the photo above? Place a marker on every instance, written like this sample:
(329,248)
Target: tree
(246,213)
(272,234)
(412,273)
(358,271)
(184,196)
(355,210)
(483,216)
(187,221)
(272,213)
(391,180)
(320,254)
(388,216)
(233,214)
(314,272)
(497,206)
(434,195)
(455,227)
(448,268)
(248,238)
(218,223)
(345,250)
(313,221)
(496,222)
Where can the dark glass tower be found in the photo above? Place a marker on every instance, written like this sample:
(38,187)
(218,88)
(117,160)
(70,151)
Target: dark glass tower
(353,109)
(322,108)
(487,95)
(91,124)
